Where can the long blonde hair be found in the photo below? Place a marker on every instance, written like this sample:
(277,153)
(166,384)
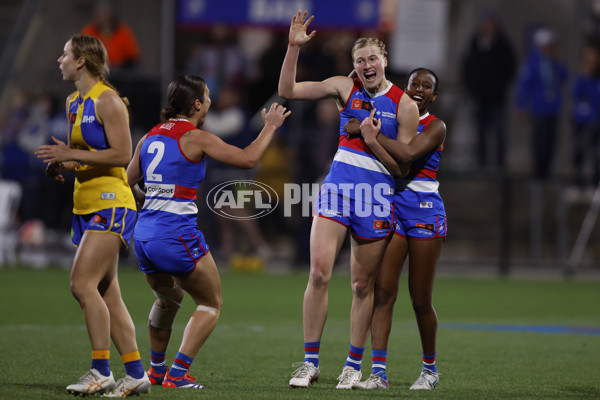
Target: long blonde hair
(96,58)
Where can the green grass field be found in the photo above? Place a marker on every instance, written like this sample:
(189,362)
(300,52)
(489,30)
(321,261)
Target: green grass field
(44,344)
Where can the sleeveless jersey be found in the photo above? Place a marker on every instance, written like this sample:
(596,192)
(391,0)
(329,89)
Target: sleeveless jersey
(96,187)
(354,162)
(171,181)
(417,193)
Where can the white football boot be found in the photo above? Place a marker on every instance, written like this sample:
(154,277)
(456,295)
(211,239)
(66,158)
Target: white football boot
(92,382)
(348,378)
(426,381)
(304,375)
(129,386)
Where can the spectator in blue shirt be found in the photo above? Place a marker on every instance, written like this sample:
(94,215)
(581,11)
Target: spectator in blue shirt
(539,94)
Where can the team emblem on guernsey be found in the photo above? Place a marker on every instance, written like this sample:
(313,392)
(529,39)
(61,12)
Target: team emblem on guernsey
(358,104)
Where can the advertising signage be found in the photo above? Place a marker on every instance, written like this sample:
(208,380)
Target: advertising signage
(349,14)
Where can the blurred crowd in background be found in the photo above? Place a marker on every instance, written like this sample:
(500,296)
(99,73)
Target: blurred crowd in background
(497,79)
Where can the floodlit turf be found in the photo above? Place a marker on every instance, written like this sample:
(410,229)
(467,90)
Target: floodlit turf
(44,344)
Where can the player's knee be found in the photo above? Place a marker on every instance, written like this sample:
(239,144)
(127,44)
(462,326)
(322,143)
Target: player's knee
(319,275)
(165,308)
(422,308)
(78,290)
(385,296)
(361,288)
(211,310)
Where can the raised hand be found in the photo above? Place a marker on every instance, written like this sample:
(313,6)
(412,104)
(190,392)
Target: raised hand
(276,115)
(298,28)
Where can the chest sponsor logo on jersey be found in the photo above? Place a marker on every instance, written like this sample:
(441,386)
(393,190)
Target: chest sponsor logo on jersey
(88,119)
(160,190)
(358,104)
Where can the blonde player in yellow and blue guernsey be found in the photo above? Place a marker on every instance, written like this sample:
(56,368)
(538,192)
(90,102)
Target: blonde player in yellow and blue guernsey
(104,213)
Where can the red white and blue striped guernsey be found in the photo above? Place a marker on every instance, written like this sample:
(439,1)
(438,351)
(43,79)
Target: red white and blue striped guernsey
(417,193)
(171,181)
(354,162)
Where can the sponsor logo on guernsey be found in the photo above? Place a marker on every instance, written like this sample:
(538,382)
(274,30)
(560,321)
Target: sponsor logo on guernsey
(358,104)
(425,204)
(88,119)
(160,190)
(108,196)
(167,125)
(72,117)
(386,114)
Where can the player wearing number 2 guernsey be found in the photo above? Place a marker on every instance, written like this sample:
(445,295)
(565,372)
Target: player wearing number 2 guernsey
(171,183)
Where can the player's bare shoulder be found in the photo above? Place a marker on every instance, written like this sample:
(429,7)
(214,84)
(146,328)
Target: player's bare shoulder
(343,87)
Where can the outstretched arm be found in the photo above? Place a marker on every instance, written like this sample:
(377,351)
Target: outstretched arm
(198,143)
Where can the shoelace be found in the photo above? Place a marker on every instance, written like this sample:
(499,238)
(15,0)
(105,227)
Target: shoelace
(346,376)
(376,377)
(423,378)
(301,371)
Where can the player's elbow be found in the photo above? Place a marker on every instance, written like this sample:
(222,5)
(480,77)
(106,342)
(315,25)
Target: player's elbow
(121,160)
(248,163)
(284,93)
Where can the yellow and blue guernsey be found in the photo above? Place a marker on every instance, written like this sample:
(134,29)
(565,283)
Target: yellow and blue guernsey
(96,187)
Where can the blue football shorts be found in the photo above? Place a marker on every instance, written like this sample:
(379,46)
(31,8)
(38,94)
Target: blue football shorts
(118,221)
(425,228)
(366,220)
(174,256)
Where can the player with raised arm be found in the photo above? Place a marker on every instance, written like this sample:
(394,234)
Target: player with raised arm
(171,250)
(356,196)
